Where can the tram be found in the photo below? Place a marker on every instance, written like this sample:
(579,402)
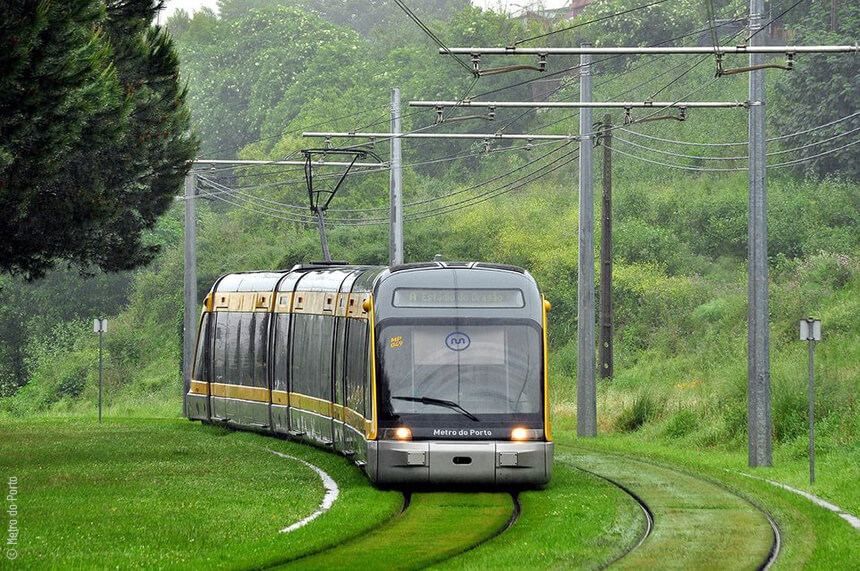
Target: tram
(423,374)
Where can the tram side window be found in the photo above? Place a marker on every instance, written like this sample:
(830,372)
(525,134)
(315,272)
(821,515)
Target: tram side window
(339,358)
(282,327)
(219,365)
(368,389)
(261,337)
(355,364)
(202,361)
(234,355)
(311,366)
(245,349)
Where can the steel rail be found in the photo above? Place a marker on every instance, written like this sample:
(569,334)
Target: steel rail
(776,543)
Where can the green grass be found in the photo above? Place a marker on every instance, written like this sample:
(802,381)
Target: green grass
(170,493)
(436,526)
(698,525)
(578,521)
(813,538)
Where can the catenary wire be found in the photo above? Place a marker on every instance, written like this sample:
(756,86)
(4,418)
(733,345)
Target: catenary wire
(744,143)
(599,19)
(736,169)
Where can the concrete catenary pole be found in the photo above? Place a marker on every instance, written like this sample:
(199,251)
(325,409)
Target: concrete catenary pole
(190,297)
(395,241)
(758,340)
(605,349)
(586,392)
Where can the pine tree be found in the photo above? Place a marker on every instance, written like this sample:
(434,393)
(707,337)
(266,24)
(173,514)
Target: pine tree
(94,133)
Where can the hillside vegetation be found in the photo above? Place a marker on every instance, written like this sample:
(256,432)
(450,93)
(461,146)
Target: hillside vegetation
(258,77)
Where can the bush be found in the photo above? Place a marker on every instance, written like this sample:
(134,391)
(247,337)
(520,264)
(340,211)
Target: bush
(643,410)
(681,424)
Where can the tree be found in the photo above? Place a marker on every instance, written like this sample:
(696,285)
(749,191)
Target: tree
(95,133)
(822,88)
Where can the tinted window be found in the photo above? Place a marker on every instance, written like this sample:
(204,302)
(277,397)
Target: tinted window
(311,366)
(282,325)
(219,365)
(245,349)
(485,367)
(202,360)
(356,371)
(339,358)
(261,337)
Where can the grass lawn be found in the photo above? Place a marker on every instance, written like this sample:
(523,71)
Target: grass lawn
(578,521)
(171,493)
(813,538)
(435,527)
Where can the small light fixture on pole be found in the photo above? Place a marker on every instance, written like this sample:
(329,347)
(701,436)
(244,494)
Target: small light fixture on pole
(810,330)
(100,327)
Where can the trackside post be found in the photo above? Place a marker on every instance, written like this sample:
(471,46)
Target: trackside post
(810,330)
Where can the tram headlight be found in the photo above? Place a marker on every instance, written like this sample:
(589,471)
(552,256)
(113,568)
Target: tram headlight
(403,433)
(520,433)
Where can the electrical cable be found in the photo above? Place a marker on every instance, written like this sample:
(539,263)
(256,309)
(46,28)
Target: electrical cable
(740,144)
(772,20)
(736,158)
(736,169)
(468,203)
(433,36)
(581,24)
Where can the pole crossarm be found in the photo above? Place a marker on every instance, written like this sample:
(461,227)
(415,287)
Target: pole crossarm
(587,104)
(636,50)
(202,163)
(470,136)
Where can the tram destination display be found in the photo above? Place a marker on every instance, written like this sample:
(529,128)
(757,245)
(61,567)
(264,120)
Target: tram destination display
(472,298)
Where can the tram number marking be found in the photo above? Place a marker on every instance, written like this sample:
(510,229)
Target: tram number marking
(396,342)
(457,341)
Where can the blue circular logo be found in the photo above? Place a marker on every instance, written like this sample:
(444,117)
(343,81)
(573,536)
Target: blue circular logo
(457,341)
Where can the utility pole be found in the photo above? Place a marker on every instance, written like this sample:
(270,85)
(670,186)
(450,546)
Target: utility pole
(758,331)
(605,351)
(190,296)
(586,393)
(395,239)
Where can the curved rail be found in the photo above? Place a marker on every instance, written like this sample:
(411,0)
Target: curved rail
(646,511)
(434,528)
(697,522)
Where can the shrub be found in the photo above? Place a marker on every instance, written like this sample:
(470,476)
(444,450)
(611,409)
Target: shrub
(644,409)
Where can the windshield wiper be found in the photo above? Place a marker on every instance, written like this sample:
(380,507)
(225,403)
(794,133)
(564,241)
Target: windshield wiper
(439,402)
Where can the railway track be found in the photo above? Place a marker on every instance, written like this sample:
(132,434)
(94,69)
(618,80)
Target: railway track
(432,528)
(696,523)
(687,522)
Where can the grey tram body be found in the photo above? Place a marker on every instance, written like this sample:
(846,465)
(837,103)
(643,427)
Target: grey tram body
(335,346)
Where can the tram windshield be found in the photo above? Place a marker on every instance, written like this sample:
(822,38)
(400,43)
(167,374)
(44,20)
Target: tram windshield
(476,370)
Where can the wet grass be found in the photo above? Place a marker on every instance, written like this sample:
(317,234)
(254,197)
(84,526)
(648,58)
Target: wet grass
(578,522)
(435,527)
(170,493)
(812,537)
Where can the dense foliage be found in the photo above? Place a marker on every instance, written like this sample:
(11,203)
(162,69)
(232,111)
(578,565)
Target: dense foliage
(823,87)
(95,133)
